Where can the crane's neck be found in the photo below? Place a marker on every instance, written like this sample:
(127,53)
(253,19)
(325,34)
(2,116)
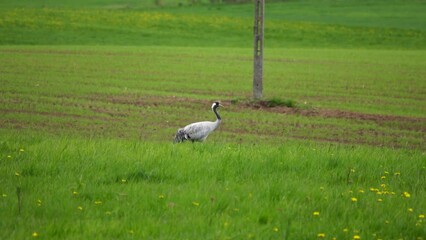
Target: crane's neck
(217,114)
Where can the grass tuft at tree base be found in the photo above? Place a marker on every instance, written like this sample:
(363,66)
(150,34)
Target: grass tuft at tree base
(278,102)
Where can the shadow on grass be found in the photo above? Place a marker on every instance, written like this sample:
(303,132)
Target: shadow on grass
(142,176)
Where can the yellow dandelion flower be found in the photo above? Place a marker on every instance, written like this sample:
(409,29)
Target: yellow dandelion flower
(21,150)
(410,209)
(275,229)
(380,200)
(354,199)
(196,204)
(161,196)
(98,202)
(406,194)
(383,185)
(8,156)
(316,213)
(123,180)
(321,235)
(361,191)
(80,208)
(35,234)
(397,173)
(345,230)
(386,172)
(17,174)
(356,237)
(421,216)
(383,177)
(38,202)
(374,189)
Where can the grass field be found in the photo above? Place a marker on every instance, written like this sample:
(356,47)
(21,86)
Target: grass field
(109,188)
(92,93)
(147,92)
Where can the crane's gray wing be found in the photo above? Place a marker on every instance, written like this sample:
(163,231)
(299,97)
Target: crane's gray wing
(198,131)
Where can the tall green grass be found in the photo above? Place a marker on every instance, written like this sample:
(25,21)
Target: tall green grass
(85,189)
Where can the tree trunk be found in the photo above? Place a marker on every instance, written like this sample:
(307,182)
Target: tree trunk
(259,11)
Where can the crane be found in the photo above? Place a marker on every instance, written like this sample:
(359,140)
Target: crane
(199,131)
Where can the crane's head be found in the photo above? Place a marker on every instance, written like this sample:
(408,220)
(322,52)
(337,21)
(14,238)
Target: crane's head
(216,105)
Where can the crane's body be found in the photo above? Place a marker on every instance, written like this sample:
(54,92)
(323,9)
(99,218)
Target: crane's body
(199,131)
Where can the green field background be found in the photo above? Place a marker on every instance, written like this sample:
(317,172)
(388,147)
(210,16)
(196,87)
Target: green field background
(347,24)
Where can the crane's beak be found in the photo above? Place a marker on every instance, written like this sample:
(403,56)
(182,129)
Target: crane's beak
(220,105)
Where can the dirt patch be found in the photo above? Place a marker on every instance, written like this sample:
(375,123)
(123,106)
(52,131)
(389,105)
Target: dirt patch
(70,52)
(410,123)
(54,114)
(334,113)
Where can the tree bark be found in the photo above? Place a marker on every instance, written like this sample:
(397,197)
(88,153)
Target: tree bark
(258,49)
